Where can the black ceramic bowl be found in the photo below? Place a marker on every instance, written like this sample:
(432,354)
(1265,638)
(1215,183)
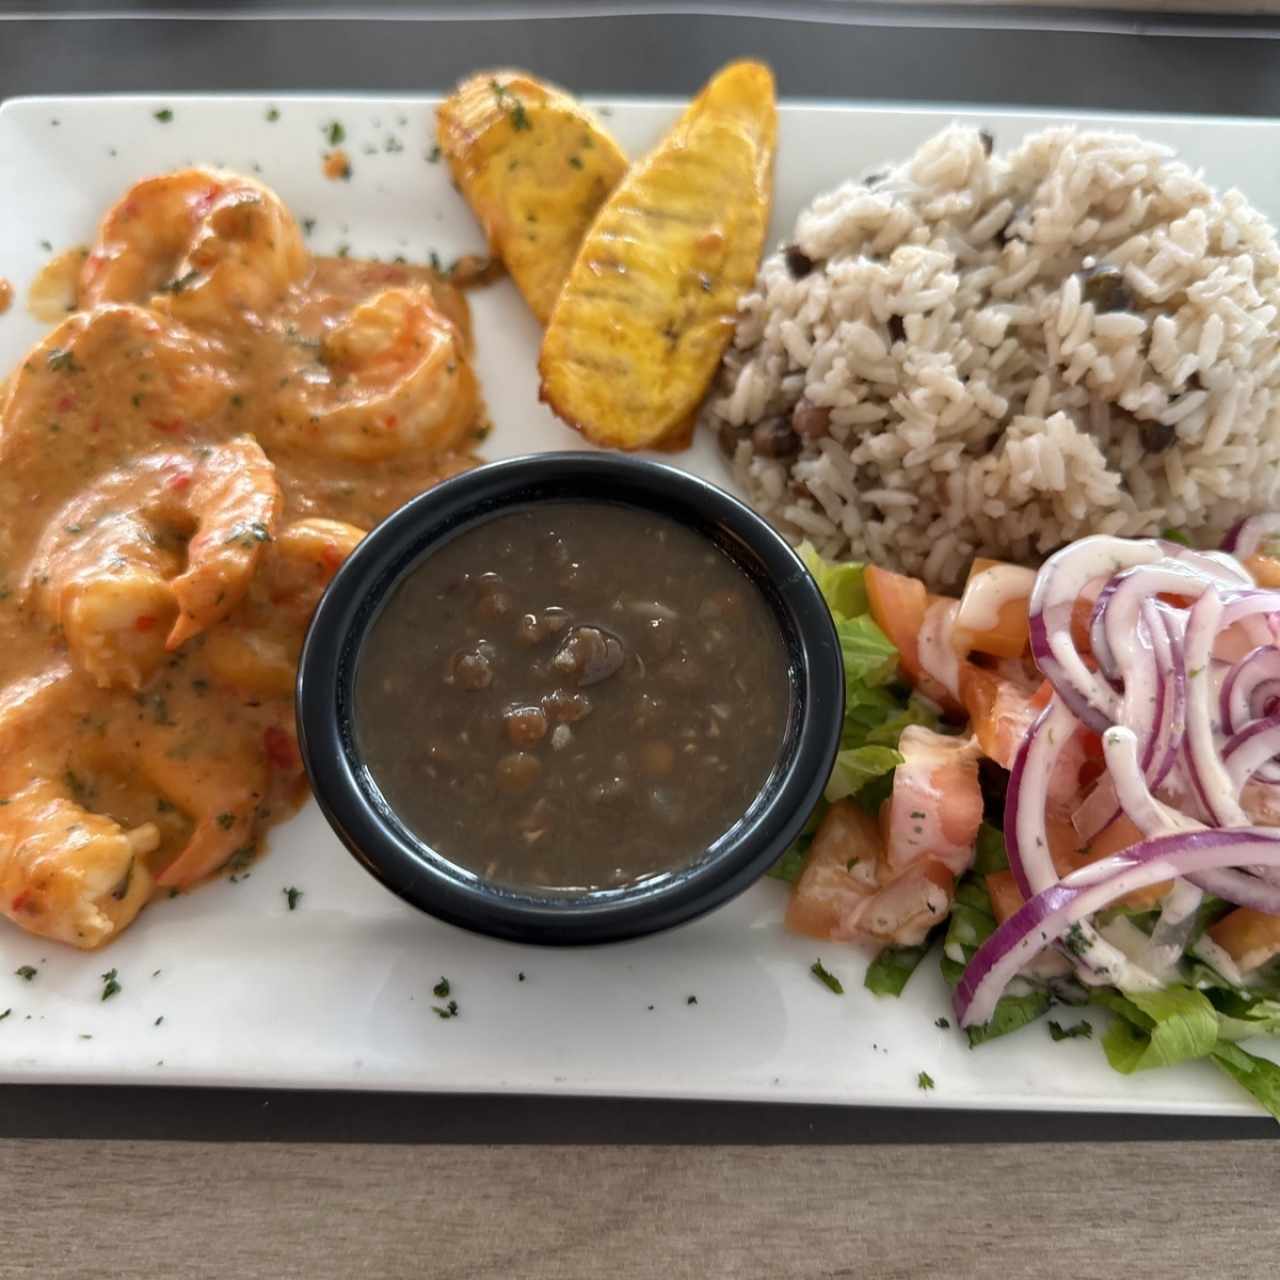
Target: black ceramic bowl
(369,827)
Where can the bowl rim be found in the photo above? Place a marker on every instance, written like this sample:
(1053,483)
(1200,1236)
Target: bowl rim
(406,864)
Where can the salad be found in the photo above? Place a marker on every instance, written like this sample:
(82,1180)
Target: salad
(1066,783)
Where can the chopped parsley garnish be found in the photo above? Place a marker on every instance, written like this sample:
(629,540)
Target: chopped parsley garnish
(576,161)
(448,1011)
(441,989)
(519,117)
(308,226)
(293,897)
(226,821)
(62,361)
(247,533)
(164,115)
(692,1000)
(273,114)
(1076,941)
(826,977)
(110,985)
(520,976)
(1079,1030)
(178,284)
(26,972)
(942,1024)
(924,1080)
(433,156)
(5,1014)
(335,132)
(240,858)
(158,1021)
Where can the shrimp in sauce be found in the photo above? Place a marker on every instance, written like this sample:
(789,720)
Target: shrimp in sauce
(185,461)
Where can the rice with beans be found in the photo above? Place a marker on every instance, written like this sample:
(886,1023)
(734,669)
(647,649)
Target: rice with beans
(976,354)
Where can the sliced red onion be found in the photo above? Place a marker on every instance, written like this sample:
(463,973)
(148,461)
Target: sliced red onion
(1025,833)
(1119,631)
(1245,753)
(1151,816)
(1159,756)
(1050,915)
(1059,584)
(1208,775)
(1250,687)
(1246,537)
(1247,604)
(1172,717)
(1220,566)
(1097,812)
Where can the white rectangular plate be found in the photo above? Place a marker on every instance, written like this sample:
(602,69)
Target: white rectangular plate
(338,992)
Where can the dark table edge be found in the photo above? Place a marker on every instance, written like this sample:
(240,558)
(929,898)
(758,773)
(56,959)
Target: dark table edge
(1238,19)
(142,1113)
(47,54)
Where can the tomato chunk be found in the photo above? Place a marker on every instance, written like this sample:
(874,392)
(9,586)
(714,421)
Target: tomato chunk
(898,605)
(1002,631)
(1249,937)
(839,874)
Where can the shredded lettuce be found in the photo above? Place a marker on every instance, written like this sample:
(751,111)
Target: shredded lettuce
(1260,1076)
(868,654)
(856,767)
(842,585)
(1180,1024)
(1157,1028)
(1012,1013)
(971,923)
(889,973)
(877,706)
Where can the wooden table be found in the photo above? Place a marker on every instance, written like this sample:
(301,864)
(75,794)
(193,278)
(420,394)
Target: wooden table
(111,1183)
(101,1210)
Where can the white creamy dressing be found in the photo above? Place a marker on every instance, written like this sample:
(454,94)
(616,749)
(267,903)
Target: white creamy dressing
(1140,957)
(937,646)
(987,593)
(1218,958)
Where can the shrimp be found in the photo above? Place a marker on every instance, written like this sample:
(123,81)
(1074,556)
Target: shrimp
(219,787)
(394,379)
(65,873)
(256,650)
(69,874)
(200,244)
(109,569)
(100,386)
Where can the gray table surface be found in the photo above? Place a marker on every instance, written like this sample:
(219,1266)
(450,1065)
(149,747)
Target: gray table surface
(86,1175)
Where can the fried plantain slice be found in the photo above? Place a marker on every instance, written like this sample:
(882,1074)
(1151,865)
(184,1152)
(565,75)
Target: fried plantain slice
(650,303)
(535,167)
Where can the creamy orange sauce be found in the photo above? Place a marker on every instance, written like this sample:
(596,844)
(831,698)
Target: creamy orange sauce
(337,165)
(53,292)
(6,295)
(181,472)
